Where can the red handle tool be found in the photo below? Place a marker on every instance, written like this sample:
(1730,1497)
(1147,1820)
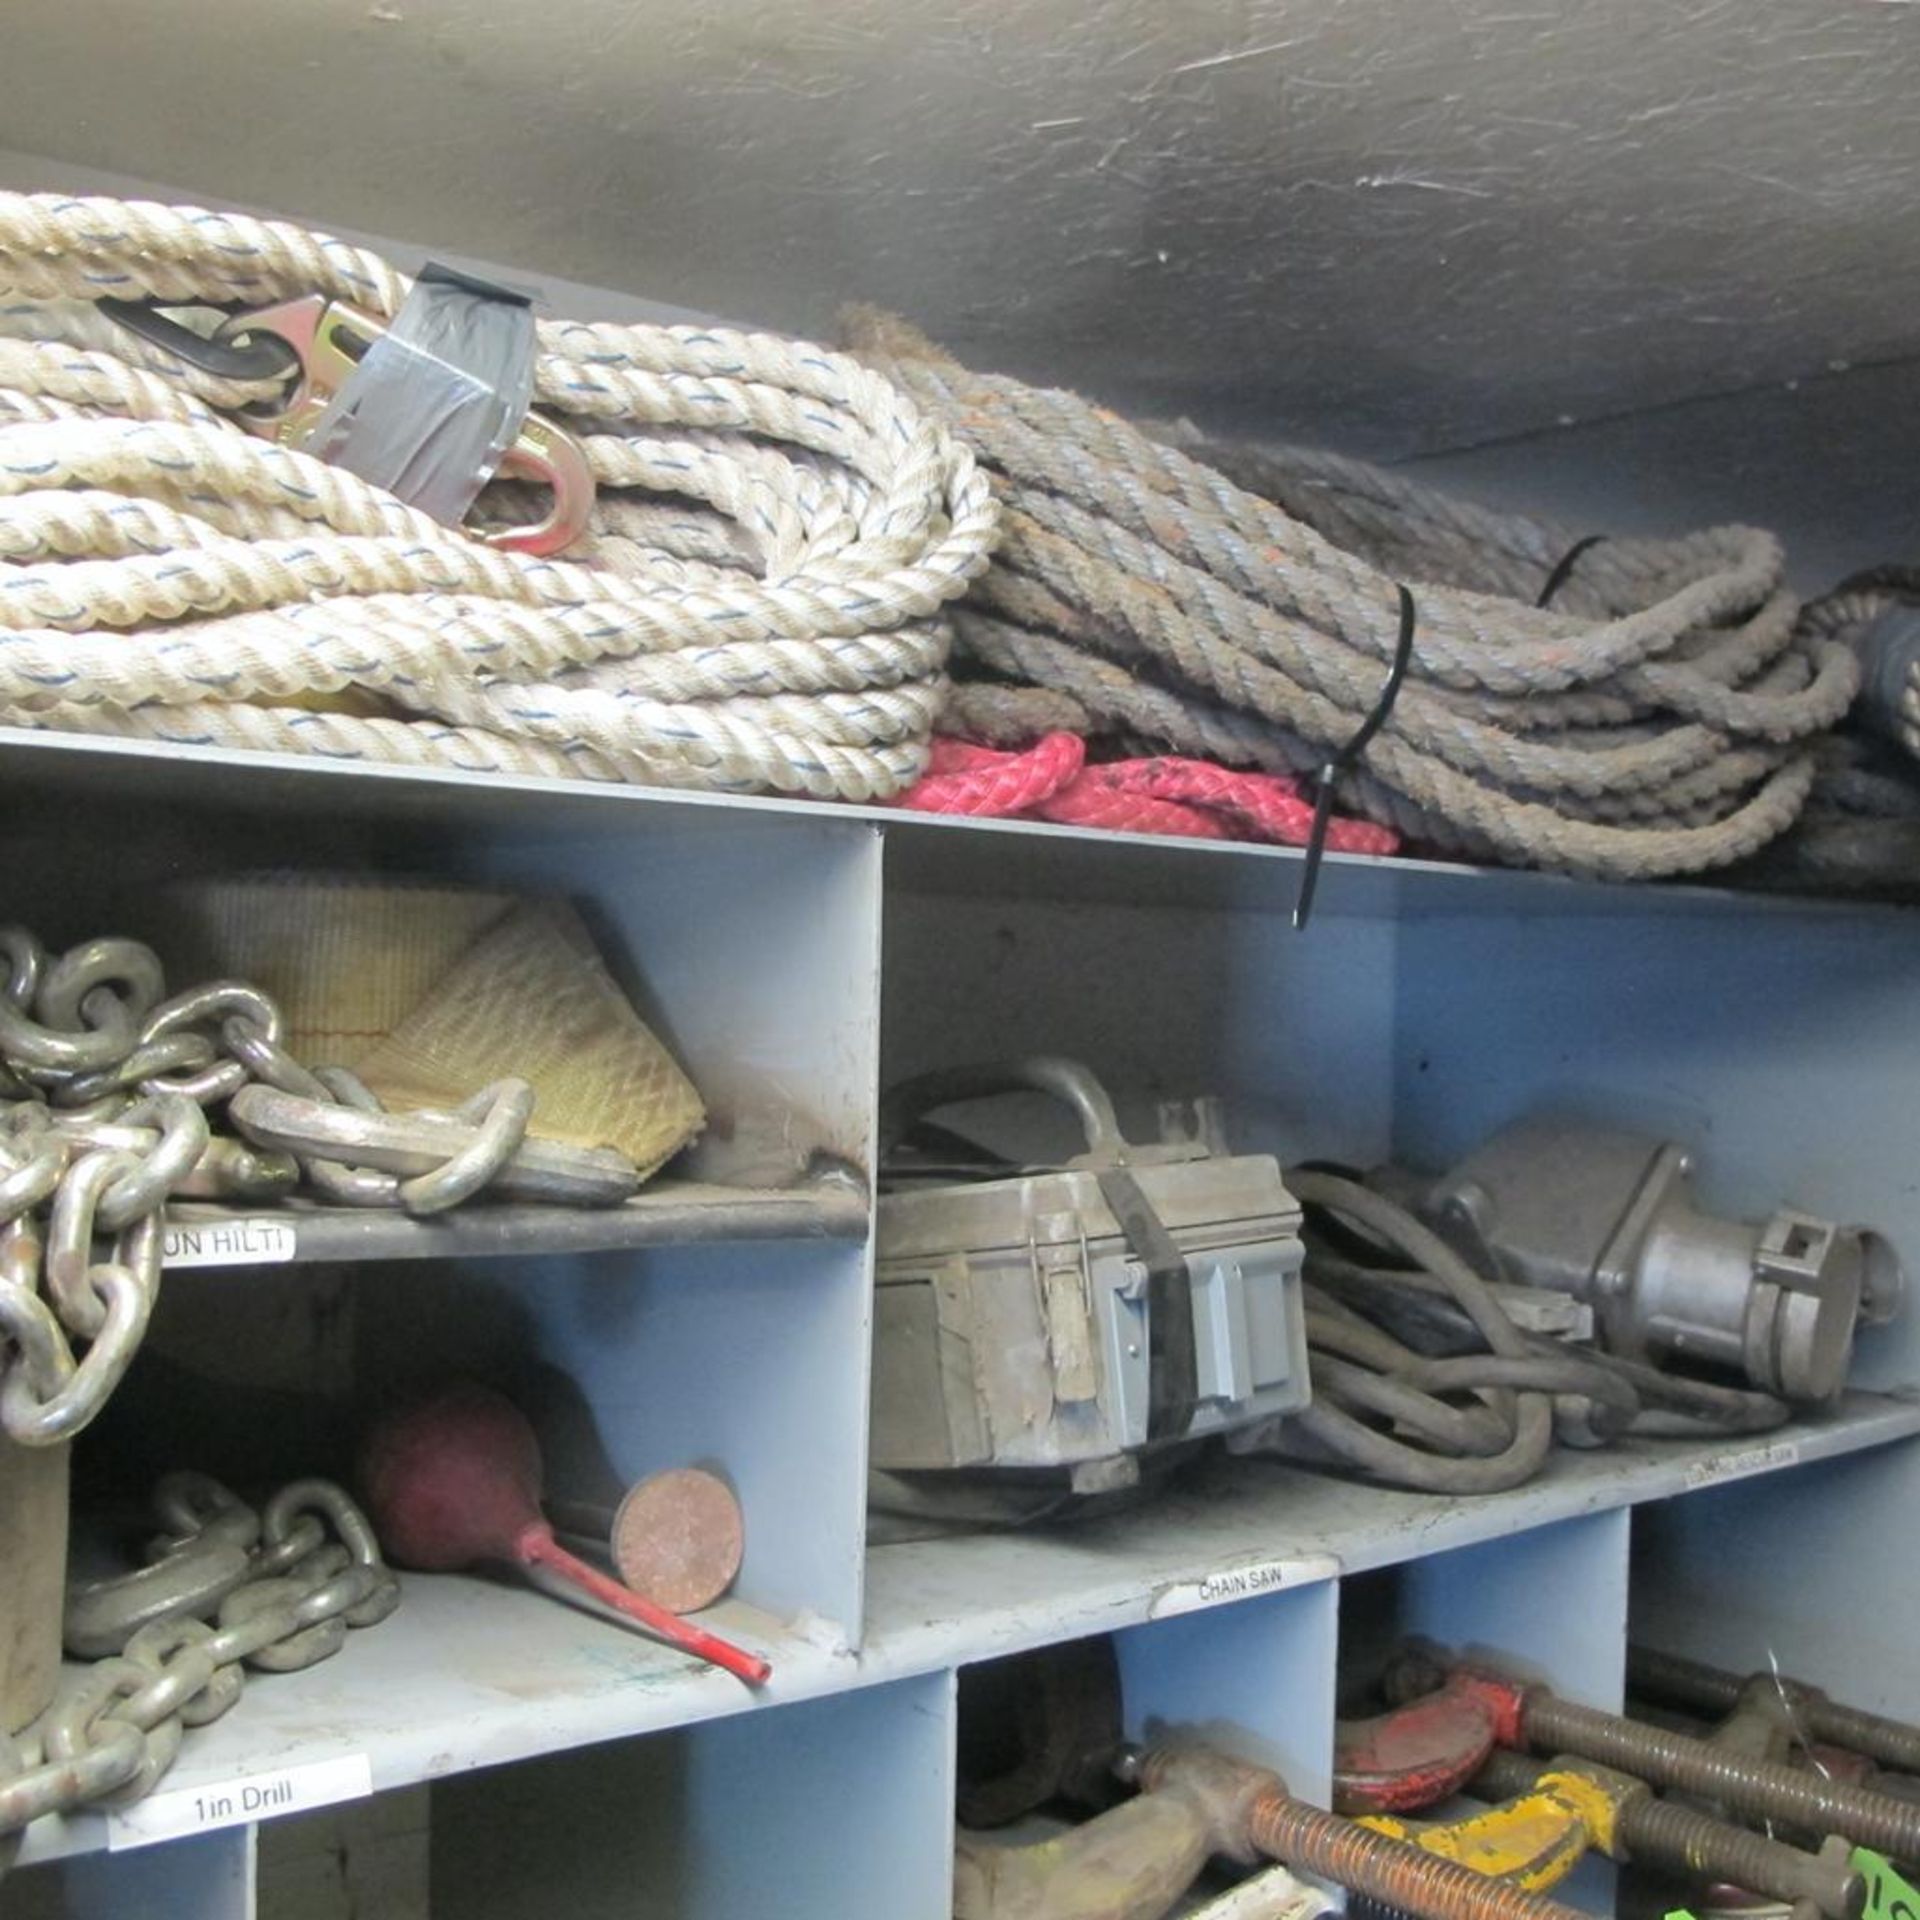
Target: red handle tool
(457,1479)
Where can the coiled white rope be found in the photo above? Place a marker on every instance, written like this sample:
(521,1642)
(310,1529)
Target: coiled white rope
(756,603)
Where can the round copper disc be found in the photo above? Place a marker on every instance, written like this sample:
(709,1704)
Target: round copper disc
(677,1539)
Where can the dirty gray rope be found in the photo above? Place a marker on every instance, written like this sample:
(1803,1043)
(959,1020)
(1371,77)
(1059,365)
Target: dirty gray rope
(223,1588)
(1657,718)
(757,601)
(107,1083)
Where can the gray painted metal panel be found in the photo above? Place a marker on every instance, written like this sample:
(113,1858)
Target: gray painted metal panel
(1403,227)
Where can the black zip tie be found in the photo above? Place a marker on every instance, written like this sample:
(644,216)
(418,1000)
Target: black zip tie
(1345,759)
(1564,566)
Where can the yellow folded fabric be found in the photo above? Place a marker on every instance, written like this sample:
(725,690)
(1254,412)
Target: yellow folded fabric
(428,993)
(532,997)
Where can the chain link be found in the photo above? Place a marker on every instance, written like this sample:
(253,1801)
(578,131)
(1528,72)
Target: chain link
(106,1083)
(225,1588)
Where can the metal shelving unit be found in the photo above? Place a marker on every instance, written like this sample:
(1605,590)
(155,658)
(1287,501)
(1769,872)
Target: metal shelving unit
(796,955)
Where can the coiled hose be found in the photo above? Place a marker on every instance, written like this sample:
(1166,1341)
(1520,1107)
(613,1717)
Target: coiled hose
(757,602)
(1470,1422)
(1657,718)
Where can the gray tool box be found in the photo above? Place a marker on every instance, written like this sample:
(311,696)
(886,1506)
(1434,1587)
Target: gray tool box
(1074,1317)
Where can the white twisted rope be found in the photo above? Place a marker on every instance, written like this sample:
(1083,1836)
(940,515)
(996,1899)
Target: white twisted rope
(756,603)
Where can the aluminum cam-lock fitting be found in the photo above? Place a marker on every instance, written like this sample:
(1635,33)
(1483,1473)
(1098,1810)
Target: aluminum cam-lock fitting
(1609,1217)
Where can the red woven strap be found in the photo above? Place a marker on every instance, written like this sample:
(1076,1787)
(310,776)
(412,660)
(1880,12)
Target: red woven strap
(1264,806)
(1097,799)
(1188,799)
(987,784)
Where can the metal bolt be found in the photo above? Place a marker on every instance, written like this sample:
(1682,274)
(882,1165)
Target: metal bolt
(1390,1871)
(1665,1834)
(1369,1864)
(1693,1683)
(1755,1789)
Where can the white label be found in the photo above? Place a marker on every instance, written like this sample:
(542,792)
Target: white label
(228,1243)
(234,1803)
(1239,1583)
(1737,1465)
(1273,1895)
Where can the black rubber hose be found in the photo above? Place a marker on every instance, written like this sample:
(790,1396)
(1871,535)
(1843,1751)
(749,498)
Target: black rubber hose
(1672,1405)
(1351,1440)
(1681,1408)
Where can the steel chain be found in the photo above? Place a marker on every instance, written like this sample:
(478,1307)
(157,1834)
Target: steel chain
(105,1086)
(171,1643)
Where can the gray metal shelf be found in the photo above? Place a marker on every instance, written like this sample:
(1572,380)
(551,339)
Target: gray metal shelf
(1242,1528)
(474,1672)
(665,1213)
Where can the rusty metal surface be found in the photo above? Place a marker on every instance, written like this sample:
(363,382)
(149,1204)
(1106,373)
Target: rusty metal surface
(678,1538)
(1694,1683)
(1413,1755)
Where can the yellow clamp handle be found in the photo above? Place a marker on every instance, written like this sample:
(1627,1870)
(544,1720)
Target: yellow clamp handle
(1532,1842)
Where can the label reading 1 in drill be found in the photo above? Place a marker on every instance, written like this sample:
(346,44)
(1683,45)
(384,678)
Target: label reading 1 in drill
(239,1801)
(1888,1896)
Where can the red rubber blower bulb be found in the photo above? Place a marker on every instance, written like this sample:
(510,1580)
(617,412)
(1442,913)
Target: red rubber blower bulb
(454,1480)
(457,1478)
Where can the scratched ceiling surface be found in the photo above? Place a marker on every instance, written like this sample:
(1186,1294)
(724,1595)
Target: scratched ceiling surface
(1398,224)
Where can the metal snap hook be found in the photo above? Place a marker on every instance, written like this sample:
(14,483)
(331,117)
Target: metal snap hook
(329,338)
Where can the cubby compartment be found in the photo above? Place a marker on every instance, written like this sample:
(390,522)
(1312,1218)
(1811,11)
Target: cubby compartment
(836,1807)
(720,1319)
(1253,1678)
(1776,1041)
(749,945)
(210,1877)
(747,1361)
(1799,1573)
(1250,1680)
(1547,1606)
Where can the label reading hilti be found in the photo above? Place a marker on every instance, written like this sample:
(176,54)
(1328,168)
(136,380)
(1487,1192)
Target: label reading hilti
(252,1242)
(1741,1462)
(1241,1582)
(240,1801)
(1888,1896)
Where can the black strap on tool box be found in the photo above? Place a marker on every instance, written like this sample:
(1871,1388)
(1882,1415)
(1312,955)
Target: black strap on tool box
(1173,1373)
